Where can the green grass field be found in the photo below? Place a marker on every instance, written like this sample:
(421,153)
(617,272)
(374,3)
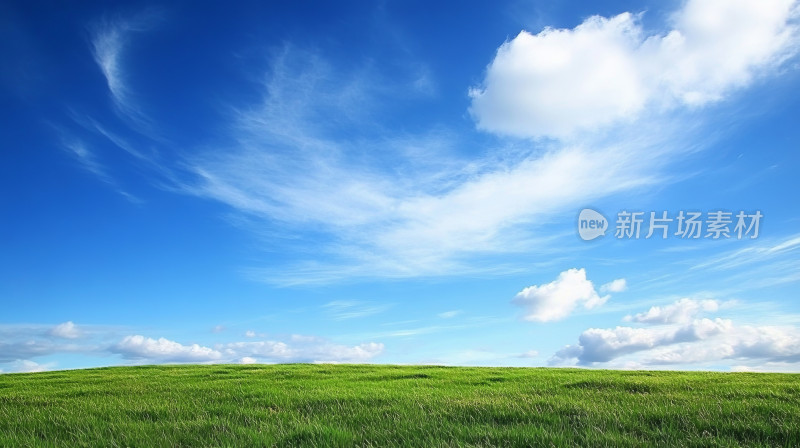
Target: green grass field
(370,405)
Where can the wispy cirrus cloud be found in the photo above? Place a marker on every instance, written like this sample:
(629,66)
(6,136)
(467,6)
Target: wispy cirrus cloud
(764,262)
(110,37)
(286,167)
(399,218)
(352,309)
(449,314)
(311,158)
(764,252)
(87,158)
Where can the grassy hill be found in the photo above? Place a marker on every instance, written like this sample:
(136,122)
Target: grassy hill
(370,405)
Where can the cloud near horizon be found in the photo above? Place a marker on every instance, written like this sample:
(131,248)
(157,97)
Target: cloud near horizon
(677,334)
(22,345)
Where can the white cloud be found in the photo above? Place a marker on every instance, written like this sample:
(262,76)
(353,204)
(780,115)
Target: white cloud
(431,214)
(302,350)
(358,353)
(559,80)
(603,345)
(312,352)
(681,311)
(265,349)
(557,299)
(679,339)
(66,330)
(351,309)
(106,45)
(758,345)
(761,253)
(618,285)
(249,334)
(110,37)
(31,341)
(164,350)
(28,366)
(88,161)
(778,367)
(718,45)
(248,360)
(21,345)
(449,314)
(298,350)
(605,70)
(427,205)
(302,338)
(529,354)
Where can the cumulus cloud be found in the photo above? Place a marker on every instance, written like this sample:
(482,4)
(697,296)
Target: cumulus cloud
(557,299)
(22,345)
(618,285)
(316,351)
(428,205)
(673,336)
(300,349)
(23,342)
(603,345)
(559,80)
(763,344)
(605,70)
(164,350)
(443,213)
(67,330)
(681,311)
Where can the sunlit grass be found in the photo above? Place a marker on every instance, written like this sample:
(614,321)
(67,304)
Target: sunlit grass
(370,405)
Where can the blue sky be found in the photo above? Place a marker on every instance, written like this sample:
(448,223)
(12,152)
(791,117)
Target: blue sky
(398,182)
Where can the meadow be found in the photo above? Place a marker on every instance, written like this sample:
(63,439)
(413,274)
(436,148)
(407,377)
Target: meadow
(385,406)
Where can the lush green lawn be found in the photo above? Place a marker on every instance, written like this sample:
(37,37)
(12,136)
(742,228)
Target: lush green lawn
(360,405)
